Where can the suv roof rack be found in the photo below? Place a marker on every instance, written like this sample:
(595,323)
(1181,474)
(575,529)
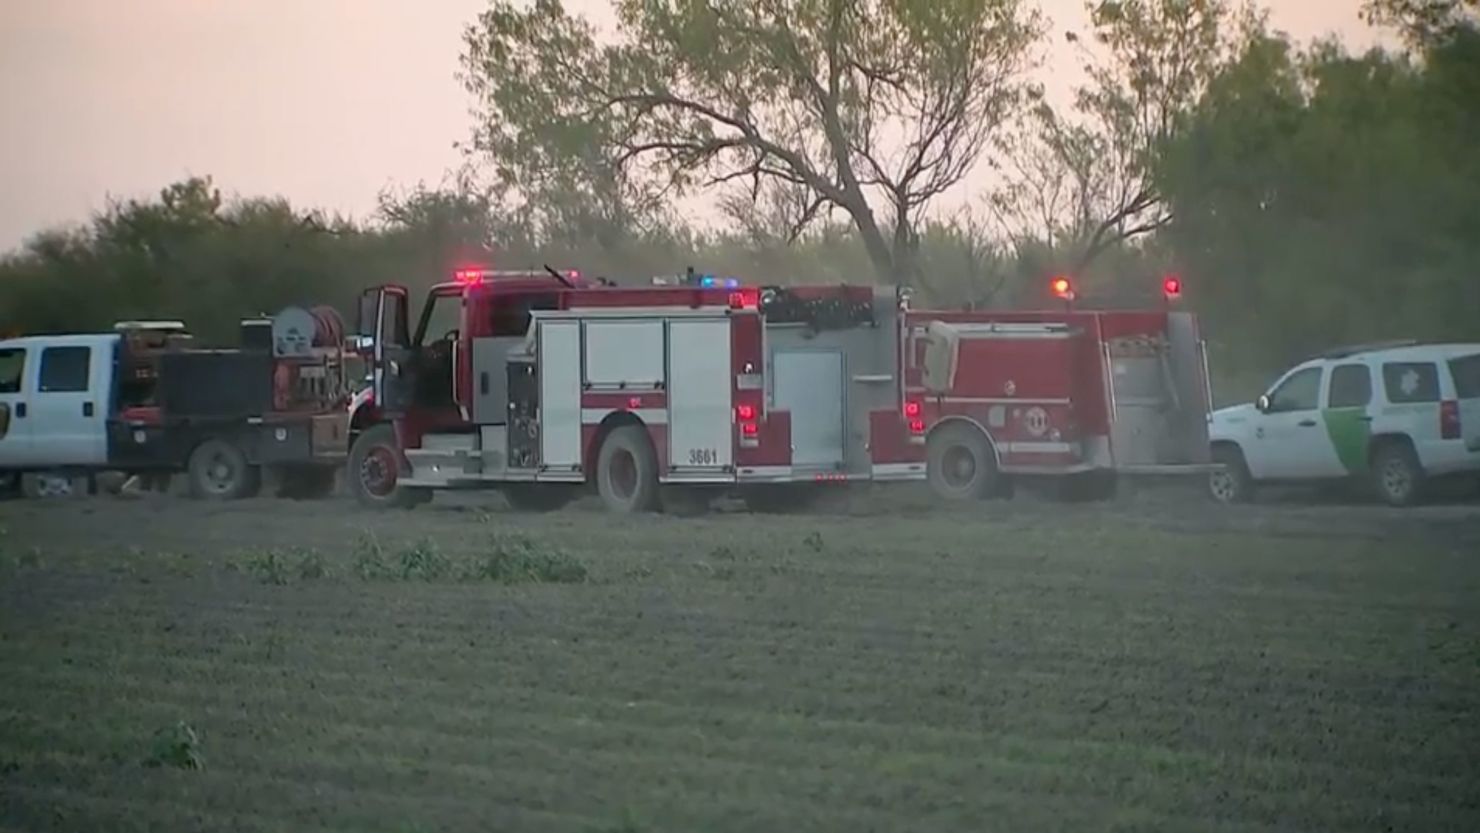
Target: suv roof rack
(1352,350)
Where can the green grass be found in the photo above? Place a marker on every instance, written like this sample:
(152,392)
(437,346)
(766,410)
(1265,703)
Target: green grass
(1012,667)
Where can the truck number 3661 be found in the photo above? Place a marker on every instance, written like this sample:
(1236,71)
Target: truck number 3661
(703,457)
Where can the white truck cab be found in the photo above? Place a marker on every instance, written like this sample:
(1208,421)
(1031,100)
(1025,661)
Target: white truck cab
(56,394)
(1396,415)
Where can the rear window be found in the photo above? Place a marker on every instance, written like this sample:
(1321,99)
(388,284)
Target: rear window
(1466,373)
(1407,382)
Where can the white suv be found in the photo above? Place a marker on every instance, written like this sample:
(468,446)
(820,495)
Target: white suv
(1394,415)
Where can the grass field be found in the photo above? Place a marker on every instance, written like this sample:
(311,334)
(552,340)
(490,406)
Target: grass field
(1144,665)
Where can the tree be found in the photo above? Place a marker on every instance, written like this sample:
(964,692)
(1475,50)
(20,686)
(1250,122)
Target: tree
(1323,198)
(857,106)
(1423,22)
(1082,179)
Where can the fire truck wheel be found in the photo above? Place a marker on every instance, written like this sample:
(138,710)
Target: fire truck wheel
(219,471)
(1233,483)
(373,469)
(960,464)
(306,482)
(530,497)
(627,471)
(10,485)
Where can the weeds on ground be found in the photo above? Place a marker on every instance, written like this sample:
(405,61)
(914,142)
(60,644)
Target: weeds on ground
(423,561)
(371,562)
(515,559)
(282,566)
(509,559)
(176,746)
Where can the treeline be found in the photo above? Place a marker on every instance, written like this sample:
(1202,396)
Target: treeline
(1312,197)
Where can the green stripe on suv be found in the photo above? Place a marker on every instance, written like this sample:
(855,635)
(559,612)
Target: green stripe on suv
(1349,431)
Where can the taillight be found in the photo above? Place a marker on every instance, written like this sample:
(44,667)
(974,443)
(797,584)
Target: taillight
(917,426)
(911,410)
(750,430)
(1449,427)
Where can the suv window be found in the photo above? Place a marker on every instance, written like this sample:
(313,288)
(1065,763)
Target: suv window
(1466,372)
(12,364)
(1351,386)
(1300,392)
(1407,382)
(64,369)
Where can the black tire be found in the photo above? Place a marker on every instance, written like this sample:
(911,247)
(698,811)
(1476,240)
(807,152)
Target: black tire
(10,485)
(1398,478)
(1232,484)
(374,471)
(1088,487)
(960,464)
(306,482)
(627,471)
(781,499)
(538,497)
(218,470)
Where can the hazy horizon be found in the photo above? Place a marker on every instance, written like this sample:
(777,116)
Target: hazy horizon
(325,102)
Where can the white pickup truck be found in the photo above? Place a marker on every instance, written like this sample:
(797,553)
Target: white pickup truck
(77,405)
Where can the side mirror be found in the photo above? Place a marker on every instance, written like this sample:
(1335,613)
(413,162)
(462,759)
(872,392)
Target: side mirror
(1262,403)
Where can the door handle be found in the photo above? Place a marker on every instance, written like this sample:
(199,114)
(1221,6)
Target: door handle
(1307,423)
(87,409)
(483,383)
(1364,419)
(20,410)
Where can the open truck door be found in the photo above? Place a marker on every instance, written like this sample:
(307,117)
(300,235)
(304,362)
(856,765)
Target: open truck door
(384,321)
(1159,399)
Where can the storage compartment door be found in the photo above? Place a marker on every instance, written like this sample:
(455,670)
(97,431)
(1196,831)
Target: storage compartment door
(560,395)
(490,378)
(809,385)
(1189,375)
(700,423)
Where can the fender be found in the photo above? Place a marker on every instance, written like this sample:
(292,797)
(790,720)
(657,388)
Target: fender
(363,412)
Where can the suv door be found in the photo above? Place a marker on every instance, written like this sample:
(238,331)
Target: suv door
(1289,442)
(1348,417)
(15,417)
(69,406)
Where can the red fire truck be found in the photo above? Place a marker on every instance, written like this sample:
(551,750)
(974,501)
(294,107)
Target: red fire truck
(540,384)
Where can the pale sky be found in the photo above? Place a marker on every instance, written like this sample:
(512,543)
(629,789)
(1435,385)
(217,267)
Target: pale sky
(326,102)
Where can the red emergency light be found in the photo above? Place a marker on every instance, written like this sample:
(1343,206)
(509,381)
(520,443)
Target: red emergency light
(1171,287)
(468,275)
(1062,288)
(748,298)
